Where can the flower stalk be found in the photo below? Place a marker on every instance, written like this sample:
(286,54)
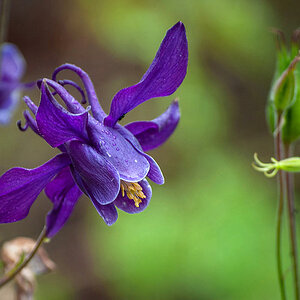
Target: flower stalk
(278,154)
(10,275)
(292,224)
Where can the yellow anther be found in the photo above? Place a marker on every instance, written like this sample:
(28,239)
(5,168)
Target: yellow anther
(122,189)
(133,192)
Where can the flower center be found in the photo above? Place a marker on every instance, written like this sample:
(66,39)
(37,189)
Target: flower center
(133,191)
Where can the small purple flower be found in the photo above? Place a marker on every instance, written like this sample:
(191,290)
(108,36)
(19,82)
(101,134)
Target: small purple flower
(99,158)
(12,67)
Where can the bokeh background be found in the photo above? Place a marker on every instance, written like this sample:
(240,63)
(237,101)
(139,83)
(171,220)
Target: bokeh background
(209,232)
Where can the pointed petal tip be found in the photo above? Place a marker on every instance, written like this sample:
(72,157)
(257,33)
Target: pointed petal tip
(179,25)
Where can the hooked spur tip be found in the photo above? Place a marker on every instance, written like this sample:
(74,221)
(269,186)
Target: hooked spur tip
(22,128)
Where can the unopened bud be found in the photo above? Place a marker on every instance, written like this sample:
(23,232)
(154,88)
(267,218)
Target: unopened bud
(282,93)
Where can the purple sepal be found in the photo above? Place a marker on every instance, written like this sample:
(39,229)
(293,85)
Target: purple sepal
(64,193)
(12,63)
(163,77)
(99,178)
(127,205)
(19,187)
(141,126)
(56,125)
(153,133)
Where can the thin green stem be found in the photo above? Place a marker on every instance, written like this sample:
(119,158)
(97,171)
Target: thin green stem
(10,275)
(4,7)
(292,223)
(278,154)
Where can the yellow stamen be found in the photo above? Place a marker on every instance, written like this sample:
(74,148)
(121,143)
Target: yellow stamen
(133,192)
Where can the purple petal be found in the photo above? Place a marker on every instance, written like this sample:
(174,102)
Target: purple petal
(97,110)
(107,212)
(20,187)
(72,104)
(163,77)
(127,205)
(155,173)
(56,124)
(31,122)
(12,63)
(30,104)
(154,133)
(131,165)
(99,178)
(64,193)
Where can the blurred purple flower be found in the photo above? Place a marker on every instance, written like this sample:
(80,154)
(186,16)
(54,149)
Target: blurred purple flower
(100,158)
(12,67)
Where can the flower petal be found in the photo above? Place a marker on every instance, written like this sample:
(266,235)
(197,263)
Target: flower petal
(97,110)
(56,124)
(154,133)
(64,193)
(20,187)
(127,205)
(12,63)
(163,77)
(72,104)
(155,173)
(107,212)
(99,178)
(131,165)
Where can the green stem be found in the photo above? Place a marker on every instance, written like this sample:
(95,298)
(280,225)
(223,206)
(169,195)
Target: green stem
(278,155)
(17,269)
(292,223)
(4,7)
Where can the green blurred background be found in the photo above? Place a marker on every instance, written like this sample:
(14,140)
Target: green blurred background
(209,232)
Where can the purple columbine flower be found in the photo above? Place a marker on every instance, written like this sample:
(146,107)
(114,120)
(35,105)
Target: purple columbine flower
(12,67)
(99,158)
